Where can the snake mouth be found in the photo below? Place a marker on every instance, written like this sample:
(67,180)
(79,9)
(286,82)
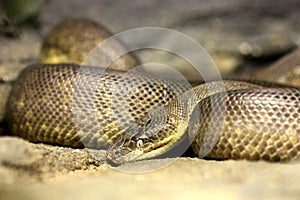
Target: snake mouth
(123,155)
(135,144)
(123,150)
(132,149)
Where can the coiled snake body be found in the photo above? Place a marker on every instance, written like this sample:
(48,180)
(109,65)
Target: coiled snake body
(91,107)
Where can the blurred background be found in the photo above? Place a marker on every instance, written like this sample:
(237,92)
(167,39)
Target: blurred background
(239,35)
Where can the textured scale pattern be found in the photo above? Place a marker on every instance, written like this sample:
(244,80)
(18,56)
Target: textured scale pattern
(257,124)
(225,120)
(64,46)
(69,105)
(83,106)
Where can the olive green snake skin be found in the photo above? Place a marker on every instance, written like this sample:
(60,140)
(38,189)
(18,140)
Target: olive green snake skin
(138,116)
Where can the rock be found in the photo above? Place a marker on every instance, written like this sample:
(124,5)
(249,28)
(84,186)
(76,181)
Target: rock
(229,30)
(17,158)
(16,54)
(24,161)
(285,70)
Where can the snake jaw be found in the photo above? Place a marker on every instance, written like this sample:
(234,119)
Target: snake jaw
(122,155)
(153,136)
(125,149)
(130,149)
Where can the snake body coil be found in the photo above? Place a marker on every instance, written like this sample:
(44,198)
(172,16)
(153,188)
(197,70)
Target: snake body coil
(87,106)
(80,106)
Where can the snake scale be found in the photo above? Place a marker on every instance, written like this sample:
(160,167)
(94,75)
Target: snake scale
(138,116)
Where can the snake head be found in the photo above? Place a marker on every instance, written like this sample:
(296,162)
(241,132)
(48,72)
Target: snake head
(149,138)
(126,149)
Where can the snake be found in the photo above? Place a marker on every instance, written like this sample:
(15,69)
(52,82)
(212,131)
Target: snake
(135,115)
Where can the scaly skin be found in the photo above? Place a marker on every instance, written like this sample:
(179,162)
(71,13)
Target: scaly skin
(69,105)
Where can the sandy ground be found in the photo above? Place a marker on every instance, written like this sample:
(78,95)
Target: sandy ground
(39,171)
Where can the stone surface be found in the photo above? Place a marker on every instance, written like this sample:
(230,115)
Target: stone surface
(17,53)
(285,71)
(27,162)
(229,31)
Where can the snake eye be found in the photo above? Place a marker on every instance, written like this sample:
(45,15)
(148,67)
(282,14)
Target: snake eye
(145,121)
(139,143)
